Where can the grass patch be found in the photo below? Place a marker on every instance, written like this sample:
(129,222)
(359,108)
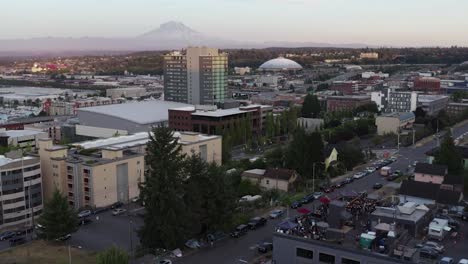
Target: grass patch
(286,199)
(41,252)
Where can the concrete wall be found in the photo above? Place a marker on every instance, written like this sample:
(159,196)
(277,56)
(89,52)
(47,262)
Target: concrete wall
(105,190)
(213,150)
(286,249)
(428,178)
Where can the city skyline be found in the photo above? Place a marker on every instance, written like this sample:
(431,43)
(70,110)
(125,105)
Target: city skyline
(403,23)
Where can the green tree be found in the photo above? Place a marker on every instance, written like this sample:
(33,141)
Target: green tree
(58,218)
(311,107)
(449,155)
(350,154)
(112,255)
(165,222)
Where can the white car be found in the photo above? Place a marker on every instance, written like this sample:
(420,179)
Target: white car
(118,211)
(463,261)
(359,175)
(370,169)
(317,195)
(84,213)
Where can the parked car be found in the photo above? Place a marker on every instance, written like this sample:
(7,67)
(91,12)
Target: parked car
(296,204)
(340,184)
(393,177)
(463,261)
(348,180)
(64,238)
(371,169)
(452,222)
(15,241)
(117,205)
(22,232)
(359,175)
(317,195)
(276,213)
(239,231)
(307,199)
(118,211)
(7,235)
(84,213)
(193,244)
(434,245)
(428,253)
(85,221)
(264,247)
(256,222)
(447,260)
(377,186)
(216,236)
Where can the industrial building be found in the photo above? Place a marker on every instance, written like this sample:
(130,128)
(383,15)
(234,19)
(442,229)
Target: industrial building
(25,139)
(394,122)
(123,119)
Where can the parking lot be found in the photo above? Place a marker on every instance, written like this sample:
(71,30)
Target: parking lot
(106,230)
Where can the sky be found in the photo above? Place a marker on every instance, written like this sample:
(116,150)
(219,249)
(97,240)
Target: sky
(373,22)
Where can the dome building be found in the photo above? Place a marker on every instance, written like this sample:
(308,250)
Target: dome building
(280,64)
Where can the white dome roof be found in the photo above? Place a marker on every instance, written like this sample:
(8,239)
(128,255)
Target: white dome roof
(279,64)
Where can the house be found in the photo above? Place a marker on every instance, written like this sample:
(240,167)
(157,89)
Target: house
(432,173)
(272,179)
(428,193)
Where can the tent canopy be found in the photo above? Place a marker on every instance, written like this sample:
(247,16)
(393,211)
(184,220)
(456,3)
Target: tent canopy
(287,225)
(303,210)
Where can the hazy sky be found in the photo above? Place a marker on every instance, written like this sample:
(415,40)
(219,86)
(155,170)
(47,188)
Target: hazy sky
(378,22)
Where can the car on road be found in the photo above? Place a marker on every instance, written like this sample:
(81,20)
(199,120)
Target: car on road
(317,195)
(118,211)
(307,199)
(264,247)
(377,186)
(276,213)
(428,253)
(447,260)
(256,222)
(84,213)
(165,261)
(359,175)
(15,241)
(64,238)
(85,221)
(7,235)
(463,261)
(240,231)
(296,204)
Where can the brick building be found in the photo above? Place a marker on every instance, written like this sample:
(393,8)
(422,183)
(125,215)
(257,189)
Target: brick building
(346,103)
(345,87)
(427,84)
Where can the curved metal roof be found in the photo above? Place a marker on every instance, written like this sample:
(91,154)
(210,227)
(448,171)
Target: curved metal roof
(280,64)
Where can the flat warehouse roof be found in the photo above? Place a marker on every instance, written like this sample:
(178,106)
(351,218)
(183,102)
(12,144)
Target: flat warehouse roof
(146,112)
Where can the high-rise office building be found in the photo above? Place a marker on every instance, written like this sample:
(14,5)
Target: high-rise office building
(196,76)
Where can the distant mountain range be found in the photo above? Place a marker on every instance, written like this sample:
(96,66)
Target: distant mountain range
(170,35)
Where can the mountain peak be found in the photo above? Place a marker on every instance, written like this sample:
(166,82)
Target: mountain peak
(175,26)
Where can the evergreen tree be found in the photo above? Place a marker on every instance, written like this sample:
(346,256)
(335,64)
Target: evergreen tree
(58,218)
(165,221)
(311,107)
(112,255)
(449,155)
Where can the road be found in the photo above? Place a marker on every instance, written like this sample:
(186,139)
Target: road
(243,249)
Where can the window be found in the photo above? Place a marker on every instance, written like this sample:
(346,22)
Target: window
(268,182)
(304,253)
(326,258)
(349,261)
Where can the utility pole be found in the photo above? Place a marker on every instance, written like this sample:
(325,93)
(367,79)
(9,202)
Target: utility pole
(398,140)
(313,177)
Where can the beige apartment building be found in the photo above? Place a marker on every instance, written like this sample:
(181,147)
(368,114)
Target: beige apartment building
(101,172)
